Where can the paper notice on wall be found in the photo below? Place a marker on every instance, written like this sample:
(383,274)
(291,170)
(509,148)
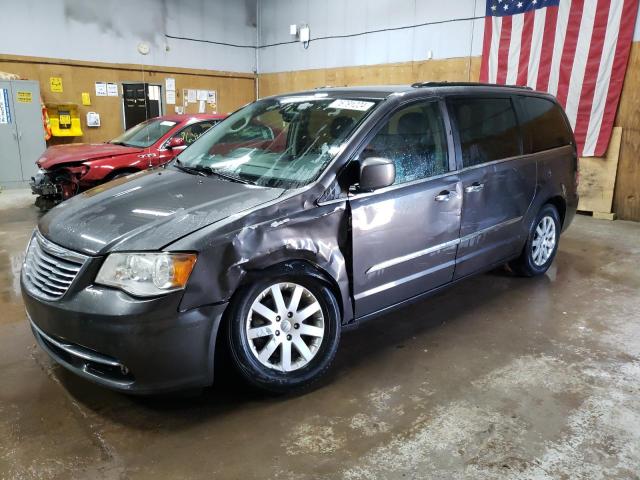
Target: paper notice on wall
(202,95)
(170,84)
(179,110)
(201,106)
(171,97)
(101,89)
(154,92)
(211,97)
(93,119)
(55,84)
(112,90)
(5,109)
(191,96)
(86,98)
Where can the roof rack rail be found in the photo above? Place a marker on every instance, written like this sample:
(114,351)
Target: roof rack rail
(466,84)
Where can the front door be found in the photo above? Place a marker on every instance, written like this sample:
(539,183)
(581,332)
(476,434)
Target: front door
(404,237)
(498,181)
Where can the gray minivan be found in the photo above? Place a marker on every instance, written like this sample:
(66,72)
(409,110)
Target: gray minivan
(296,217)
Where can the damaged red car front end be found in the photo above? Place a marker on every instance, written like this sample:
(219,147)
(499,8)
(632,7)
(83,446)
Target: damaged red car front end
(66,170)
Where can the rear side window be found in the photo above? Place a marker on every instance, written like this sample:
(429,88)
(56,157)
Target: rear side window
(487,128)
(543,125)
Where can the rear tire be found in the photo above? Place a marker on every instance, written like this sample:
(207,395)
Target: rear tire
(542,244)
(284,332)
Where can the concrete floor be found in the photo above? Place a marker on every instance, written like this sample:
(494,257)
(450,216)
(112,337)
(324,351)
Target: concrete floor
(498,377)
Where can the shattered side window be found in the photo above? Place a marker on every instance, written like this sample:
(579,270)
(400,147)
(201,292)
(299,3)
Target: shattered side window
(414,138)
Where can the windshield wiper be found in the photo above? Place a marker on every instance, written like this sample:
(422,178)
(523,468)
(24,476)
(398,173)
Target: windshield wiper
(205,171)
(226,176)
(191,170)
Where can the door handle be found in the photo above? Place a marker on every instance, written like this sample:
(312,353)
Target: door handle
(443,196)
(474,187)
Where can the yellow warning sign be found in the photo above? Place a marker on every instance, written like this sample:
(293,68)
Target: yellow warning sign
(86,98)
(56,84)
(25,97)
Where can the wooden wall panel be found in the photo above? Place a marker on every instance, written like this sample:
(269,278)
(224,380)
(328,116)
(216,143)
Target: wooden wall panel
(394,73)
(626,200)
(233,89)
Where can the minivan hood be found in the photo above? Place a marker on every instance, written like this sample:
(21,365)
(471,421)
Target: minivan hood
(147,210)
(81,152)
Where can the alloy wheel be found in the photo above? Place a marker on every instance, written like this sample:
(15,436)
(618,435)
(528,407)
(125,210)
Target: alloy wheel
(285,326)
(544,241)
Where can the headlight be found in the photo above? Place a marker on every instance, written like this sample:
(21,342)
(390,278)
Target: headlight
(147,274)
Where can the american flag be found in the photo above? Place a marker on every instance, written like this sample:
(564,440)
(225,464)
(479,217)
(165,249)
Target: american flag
(575,49)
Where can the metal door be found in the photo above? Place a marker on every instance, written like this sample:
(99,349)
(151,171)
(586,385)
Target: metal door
(404,241)
(496,198)
(404,237)
(10,168)
(139,104)
(30,131)
(498,182)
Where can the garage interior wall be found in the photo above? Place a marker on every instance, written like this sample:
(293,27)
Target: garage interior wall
(449,48)
(88,42)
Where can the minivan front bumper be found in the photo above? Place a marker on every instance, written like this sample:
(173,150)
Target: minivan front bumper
(136,346)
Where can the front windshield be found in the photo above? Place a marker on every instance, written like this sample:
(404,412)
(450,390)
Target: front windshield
(144,134)
(283,142)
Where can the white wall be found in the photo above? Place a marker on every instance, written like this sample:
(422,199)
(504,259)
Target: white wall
(457,38)
(110,30)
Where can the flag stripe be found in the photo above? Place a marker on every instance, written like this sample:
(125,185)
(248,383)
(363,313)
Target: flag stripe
(578,72)
(557,45)
(525,48)
(546,48)
(629,14)
(590,73)
(495,46)
(486,44)
(604,78)
(503,51)
(535,52)
(569,50)
(513,59)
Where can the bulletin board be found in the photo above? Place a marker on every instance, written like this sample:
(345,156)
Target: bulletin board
(196,100)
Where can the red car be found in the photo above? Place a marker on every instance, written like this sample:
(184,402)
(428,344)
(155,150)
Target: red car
(65,170)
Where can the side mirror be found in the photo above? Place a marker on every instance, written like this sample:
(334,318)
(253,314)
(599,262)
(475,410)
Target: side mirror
(376,172)
(175,142)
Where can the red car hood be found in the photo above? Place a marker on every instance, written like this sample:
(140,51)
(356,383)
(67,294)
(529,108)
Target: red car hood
(81,152)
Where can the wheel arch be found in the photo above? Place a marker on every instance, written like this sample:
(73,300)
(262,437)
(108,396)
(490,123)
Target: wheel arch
(561,206)
(295,266)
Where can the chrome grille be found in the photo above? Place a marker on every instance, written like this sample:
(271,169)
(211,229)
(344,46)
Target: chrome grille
(50,269)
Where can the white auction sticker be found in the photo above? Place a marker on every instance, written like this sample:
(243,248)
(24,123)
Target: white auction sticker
(351,105)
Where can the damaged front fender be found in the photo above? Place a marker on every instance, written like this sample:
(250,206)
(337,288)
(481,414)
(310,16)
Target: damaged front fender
(313,239)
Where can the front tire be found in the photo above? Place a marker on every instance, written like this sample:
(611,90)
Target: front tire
(284,332)
(542,244)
